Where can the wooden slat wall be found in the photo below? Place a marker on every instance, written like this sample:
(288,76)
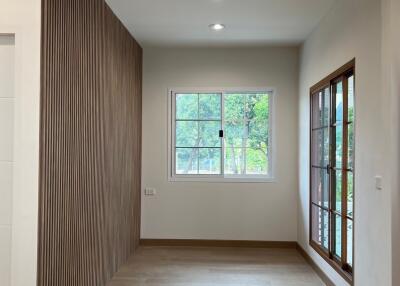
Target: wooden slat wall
(90,149)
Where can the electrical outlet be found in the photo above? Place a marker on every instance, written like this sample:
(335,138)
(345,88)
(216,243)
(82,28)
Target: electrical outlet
(379,183)
(149,192)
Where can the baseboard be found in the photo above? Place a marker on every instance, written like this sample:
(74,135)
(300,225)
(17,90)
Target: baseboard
(218,243)
(316,268)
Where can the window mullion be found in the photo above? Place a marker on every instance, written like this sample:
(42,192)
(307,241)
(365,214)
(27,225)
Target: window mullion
(344,170)
(198,134)
(332,174)
(244,150)
(271,119)
(173,134)
(223,138)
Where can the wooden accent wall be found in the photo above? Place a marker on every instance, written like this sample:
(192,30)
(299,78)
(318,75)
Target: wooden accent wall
(90,144)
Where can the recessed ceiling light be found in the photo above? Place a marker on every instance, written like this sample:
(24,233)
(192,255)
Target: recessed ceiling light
(217,27)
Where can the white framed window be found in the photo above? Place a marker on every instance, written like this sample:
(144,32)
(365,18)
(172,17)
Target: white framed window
(221,135)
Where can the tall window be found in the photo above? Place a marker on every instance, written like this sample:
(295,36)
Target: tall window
(332,169)
(221,135)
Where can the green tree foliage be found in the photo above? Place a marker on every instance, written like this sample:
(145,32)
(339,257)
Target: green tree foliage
(246,132)
(198,124)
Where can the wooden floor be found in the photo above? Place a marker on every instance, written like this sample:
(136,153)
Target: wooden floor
(178,266)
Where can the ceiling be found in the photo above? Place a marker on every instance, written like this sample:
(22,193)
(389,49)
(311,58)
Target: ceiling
(248,22)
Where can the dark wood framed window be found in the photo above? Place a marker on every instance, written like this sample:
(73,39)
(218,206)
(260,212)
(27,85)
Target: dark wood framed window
(332,169)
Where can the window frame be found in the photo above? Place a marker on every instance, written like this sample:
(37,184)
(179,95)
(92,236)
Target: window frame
(338,264)
(220,178)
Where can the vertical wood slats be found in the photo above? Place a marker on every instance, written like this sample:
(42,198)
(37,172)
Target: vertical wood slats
(90,144)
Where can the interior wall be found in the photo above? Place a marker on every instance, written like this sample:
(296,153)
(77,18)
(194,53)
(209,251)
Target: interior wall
(391,77)
(353,29)
(7,103)
(90,151)
(21,18)
(227,211)
(394,123)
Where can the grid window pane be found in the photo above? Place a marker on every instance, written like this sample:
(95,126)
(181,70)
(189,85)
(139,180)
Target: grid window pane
(234,161)
(256,161)
(320,147)
(257,107)
(209,133)
(350,146)
(234,107)
(337,204)
(187,106)
(235,134)
(186,161)
(321,105)
(320,226)
(210,106)
(350,242)
(338,235)
(326,104)
(351,99)
(253,134)
(339,102)
(339,146)
(186,134)
(258,134)
(210,161)
(320,187)
(317,110)
(350,188)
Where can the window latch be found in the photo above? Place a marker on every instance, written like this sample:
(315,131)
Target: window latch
(221,134)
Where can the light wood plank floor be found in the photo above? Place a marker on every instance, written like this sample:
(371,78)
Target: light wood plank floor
(192,266)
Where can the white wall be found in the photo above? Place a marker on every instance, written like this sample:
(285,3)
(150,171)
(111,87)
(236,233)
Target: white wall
(22,18)
(353,29)
(391,77)
(6,153)
(395,126)
(242,211)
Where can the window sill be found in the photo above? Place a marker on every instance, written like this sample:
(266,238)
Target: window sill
(208,179)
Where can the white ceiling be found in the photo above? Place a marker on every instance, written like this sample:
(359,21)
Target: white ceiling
(248,22)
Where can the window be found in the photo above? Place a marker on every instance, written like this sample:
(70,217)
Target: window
(221,135)
(332,169)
